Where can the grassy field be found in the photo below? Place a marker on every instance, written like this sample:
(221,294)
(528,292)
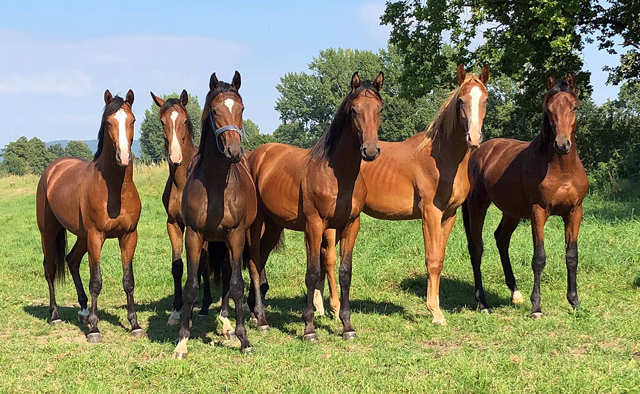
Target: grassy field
(596,349)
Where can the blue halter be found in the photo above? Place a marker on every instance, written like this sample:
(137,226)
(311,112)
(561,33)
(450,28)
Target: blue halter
(221,130)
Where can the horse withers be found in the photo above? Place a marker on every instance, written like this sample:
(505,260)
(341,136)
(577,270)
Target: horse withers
(530,180)
(94,200)
(218,202)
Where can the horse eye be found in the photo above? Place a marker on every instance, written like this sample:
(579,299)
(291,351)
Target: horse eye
(352,110)
(575,108)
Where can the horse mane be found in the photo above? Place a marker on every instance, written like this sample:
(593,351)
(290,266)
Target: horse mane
(170,103)
(109,109)
(447,116)
(558,87)
(206,125)
(325,146)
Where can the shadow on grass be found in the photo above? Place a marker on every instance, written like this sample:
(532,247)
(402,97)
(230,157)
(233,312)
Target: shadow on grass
(455,295)
(637,282)
(70,315)
(613,210)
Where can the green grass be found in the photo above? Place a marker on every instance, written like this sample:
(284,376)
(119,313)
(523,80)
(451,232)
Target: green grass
(398,349)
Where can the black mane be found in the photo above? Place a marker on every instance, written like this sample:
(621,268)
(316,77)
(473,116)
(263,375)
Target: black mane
(325,146)
(109,109)
(170,103)
(222,87)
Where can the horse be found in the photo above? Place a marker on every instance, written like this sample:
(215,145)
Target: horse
(423,177)
(178,138)
(94,200)
(530,180)
(218,203)
(314,189)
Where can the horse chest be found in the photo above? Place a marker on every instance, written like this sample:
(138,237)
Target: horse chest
(338,206)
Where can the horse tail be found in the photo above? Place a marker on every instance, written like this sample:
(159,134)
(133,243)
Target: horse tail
(217,254)
(60,254)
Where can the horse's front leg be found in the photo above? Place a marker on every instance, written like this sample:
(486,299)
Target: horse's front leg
(235,244)
(436,232)
(128,244)
(175,236)
(347,242)
(539,217)
(193,243)
(95,240)
(313,239)
(571,228)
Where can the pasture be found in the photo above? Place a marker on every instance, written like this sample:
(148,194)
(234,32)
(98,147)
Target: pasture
(596,349)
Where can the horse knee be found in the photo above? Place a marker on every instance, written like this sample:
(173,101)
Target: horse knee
(95,284)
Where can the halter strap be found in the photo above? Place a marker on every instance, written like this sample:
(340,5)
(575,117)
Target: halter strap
(218,132)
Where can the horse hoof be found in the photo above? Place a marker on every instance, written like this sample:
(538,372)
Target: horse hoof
(486,310)
(313,337)
(536,315)
(440,322)
(229,335)
(248,351)
(264,328)
(517,298)
(349,335)
(177,355)
(137,333)
(94,337)
(55,322)
(202,317)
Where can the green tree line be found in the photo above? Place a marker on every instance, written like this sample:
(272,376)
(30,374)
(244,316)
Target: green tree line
(31,156)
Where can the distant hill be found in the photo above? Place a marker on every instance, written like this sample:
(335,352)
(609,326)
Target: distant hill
(93,145)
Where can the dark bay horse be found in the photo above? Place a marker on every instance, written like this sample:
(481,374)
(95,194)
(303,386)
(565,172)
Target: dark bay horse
(218,203)
(178,138)
(95,200)
(424,177)
(530,180)
(315,189)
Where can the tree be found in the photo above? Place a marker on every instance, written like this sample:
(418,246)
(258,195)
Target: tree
(78,149)
(253,138)
(33,153)
(152,144)
(523,39)
(12,164)
(56,151)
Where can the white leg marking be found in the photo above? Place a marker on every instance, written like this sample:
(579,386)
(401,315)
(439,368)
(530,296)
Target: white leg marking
(229,103)
(123,142)
(83,312)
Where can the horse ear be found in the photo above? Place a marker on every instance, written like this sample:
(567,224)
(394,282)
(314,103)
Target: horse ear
(461,74)
(159,101)
(355,81)
(107,97)
(129,98)
(550,82)
(236,80)
(484,75)
(184,98)
(213,82)
(570,81)
(377,83)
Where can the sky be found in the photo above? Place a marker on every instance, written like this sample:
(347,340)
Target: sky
(57,58)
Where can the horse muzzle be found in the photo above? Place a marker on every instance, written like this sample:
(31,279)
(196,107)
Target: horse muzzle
(369,151)
(123,160)
(473,139)
(563,147)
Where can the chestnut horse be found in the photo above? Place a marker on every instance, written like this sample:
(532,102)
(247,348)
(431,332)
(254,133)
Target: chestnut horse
(218,202)
(178,138)
(315,189)
(95,200)
(424,177)
(530,180)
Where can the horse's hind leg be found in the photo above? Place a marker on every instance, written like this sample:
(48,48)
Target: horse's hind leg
(227,331)
(235,243)
(329,258)
(175,236)
(503,235)
(74,258)
(205,274)
(128,244)
(474,210)
(571,229)
(53,246)
(95,240)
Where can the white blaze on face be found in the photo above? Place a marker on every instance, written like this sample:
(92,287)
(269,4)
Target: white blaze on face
(475,128)
(229,103)
(123,142)
(175,152)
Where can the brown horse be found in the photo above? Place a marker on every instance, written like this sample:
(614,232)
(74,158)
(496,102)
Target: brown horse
(530,180)
(314,189)
(178,138)
(95,200)
(424,177)
(219,202)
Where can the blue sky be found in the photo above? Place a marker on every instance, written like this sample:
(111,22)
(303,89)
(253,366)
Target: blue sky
(57,58)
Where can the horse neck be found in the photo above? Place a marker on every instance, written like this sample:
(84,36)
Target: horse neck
(565,163)
(450,145)
(112,172)
(212,158)
(346,157)
(178,174)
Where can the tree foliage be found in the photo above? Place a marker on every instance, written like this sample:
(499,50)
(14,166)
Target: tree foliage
(56,150)
(32,153)
(78,149)
(152,144)
(252,137)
